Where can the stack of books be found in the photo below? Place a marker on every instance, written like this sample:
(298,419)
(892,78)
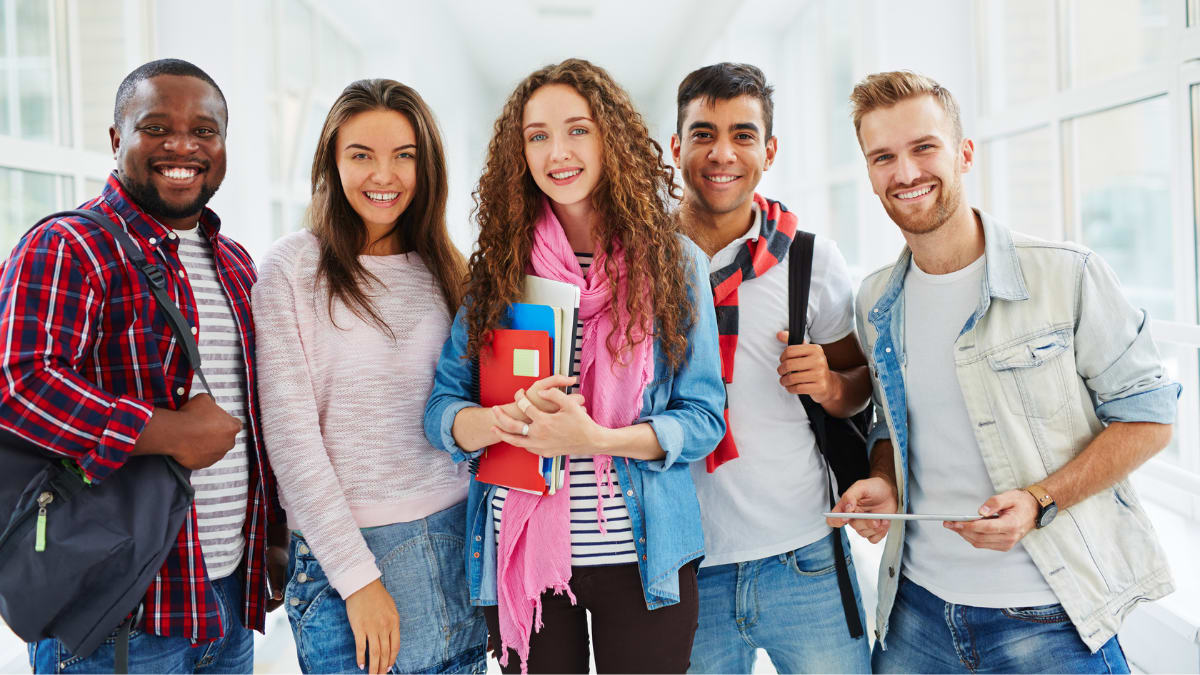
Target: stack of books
(538,342)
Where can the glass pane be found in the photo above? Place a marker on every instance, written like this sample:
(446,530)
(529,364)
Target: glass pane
(33,28)
(1018,179)
(101,69)
(1181,366)
(843,144)
(1122,164)
(1017,58)
(5,118)
(3,28)
(92,188)
(25,196)
(843,220)
(37,121)
(1123,36)
(297,45)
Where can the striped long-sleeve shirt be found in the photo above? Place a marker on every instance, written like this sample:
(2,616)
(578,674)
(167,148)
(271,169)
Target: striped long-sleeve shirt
(86,355)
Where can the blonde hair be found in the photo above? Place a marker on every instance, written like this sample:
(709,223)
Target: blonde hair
(884,90)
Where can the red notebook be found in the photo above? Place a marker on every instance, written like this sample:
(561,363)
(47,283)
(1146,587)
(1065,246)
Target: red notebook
(514,360)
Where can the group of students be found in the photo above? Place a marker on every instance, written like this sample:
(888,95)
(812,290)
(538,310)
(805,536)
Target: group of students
(691,530)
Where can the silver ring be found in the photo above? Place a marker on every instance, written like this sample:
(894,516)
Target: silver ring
(525,430)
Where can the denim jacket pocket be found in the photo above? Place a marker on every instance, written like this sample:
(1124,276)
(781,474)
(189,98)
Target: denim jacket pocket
(1033,375)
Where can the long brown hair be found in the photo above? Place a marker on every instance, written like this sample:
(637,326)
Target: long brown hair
(631,197)
(421,229)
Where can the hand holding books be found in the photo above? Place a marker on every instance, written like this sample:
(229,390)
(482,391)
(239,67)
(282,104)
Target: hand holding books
(566,428)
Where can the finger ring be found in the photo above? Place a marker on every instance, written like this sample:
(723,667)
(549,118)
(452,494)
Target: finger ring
(523,403)
(525,430)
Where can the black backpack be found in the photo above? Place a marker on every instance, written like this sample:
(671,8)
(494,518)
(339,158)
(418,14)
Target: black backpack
(76,559)
(842,442)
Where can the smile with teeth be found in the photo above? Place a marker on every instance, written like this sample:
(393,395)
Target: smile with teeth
(178,173)
(563,175)
(381,196)
(721,178)
(919,192)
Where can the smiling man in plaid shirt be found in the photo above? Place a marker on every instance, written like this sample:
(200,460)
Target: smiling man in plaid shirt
(91,371)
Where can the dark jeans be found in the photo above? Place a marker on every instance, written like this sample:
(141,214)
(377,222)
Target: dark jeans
(628,637)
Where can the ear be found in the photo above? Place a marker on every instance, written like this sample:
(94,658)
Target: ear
(772,148)
(114,138)
(966,155)
(675,147)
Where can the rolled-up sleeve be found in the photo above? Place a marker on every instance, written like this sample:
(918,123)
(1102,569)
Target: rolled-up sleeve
(452,384)
(693,422)
(1115,354)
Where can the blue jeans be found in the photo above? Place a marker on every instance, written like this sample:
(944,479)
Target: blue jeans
(149,653)
(422,566)
(789,605)
(928,635)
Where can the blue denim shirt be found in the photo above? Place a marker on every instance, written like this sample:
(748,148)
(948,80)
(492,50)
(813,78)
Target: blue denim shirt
(685,409)
(1053,353)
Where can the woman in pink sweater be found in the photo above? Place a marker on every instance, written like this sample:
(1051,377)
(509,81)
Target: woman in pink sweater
(350,316)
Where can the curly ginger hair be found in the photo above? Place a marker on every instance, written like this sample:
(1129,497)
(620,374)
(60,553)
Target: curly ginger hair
(632,197)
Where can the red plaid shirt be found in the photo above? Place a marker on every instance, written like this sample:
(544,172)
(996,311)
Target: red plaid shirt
(86,356)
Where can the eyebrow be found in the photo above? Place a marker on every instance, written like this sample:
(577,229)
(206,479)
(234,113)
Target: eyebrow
(360,146)
(207,119)
(569,120)
(740,126)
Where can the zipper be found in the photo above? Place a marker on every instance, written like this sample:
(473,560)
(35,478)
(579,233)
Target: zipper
(43,501)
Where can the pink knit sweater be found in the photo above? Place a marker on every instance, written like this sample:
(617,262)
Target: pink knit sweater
(342,404)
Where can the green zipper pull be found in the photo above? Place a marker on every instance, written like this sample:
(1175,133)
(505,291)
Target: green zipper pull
(43,501)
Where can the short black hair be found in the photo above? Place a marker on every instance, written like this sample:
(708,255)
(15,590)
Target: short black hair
(723,81)
(154,69)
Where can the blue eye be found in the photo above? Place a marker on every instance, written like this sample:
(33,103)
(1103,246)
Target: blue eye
(578,131)
(537,137)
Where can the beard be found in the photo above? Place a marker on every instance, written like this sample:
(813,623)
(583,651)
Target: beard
(948,200)
(147,197)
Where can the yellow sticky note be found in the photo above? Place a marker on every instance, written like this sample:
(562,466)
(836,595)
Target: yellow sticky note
(525,363)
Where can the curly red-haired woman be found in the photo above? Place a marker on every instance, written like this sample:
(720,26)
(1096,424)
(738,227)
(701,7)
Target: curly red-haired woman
(575,190)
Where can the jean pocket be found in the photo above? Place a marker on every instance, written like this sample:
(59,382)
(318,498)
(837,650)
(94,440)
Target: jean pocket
(1039,614)
(816,559)
(306,584)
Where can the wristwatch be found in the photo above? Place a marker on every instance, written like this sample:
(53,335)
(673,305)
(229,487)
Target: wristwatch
(1047,509)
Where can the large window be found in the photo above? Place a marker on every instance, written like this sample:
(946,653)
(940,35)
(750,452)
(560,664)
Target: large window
(56,88)
(1087,134)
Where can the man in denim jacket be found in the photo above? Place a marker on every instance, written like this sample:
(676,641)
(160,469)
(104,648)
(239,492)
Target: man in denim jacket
(1016,381)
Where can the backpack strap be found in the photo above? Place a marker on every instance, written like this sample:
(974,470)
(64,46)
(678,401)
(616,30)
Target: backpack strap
(154,277)
(800,258)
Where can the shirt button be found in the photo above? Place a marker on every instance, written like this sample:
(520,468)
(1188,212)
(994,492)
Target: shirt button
(478,538)
(641,540)
(171,235)
(302,549)
(629,493)
(153,241)
(888,350)
(891,572)
(302,577)
(194,331)
(182,273)
(294,601)
(179,391)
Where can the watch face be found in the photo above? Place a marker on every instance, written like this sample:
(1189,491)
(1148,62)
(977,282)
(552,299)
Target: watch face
(1047,515)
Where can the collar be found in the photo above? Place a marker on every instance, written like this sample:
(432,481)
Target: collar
(146,226)
(753,230)
(1002,269)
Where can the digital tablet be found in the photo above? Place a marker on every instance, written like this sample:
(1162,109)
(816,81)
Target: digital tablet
(957,518)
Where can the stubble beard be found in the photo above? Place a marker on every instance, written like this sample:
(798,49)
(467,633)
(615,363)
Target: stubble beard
(948,200)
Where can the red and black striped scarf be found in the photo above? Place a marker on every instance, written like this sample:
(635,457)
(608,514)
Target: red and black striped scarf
(777,228)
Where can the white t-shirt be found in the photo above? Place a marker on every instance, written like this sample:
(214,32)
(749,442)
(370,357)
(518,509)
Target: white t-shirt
(946,470)
(770,499)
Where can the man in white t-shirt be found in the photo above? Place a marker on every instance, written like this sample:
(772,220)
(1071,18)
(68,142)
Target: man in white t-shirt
(768,579)
(1012,380)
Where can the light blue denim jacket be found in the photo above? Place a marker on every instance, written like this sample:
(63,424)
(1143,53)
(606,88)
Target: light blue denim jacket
(685,408)
(1053,354)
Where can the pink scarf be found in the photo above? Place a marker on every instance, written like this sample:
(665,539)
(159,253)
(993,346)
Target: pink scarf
(535,535)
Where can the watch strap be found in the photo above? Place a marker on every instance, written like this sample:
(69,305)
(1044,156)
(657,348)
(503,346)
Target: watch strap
(1039,493)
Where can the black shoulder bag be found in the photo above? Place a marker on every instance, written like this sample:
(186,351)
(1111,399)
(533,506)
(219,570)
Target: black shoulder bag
(842,442)
(76,559)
